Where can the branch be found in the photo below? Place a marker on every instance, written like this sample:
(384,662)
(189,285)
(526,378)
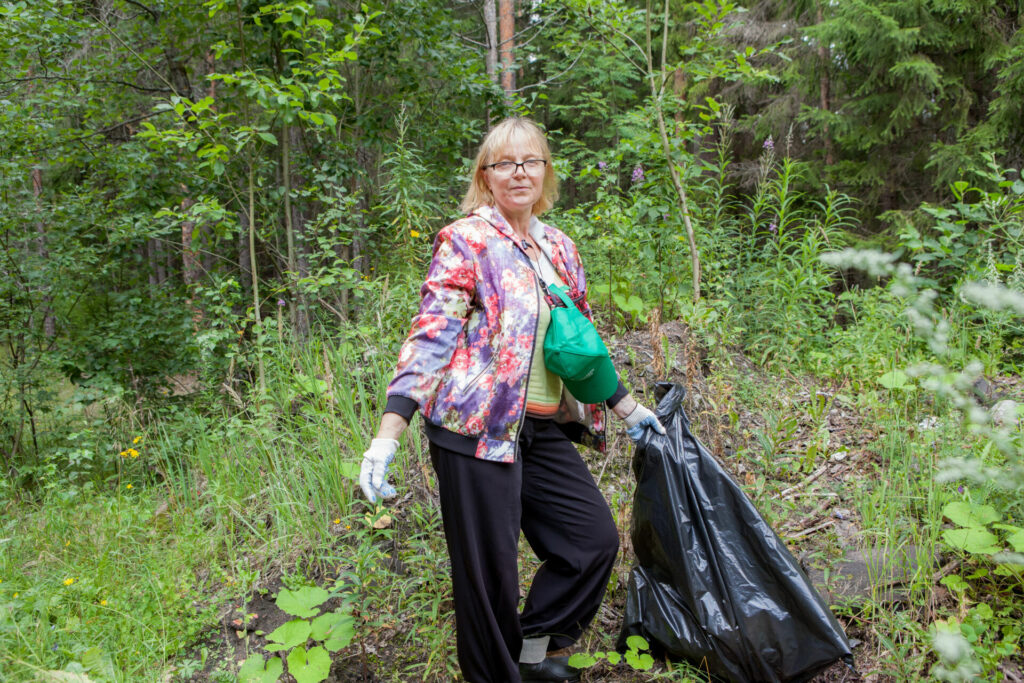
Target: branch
(149,10)
(625,56)
(549,80)
(103,81)
(101,131)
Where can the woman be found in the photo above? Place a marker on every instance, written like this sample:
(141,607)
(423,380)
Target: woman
(499,422)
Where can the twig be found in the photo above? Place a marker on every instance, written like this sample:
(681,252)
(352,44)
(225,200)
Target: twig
(788,493)
(807,532)
(101,81)
(549,80)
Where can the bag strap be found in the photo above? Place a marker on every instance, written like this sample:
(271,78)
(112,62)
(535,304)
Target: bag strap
(563,295)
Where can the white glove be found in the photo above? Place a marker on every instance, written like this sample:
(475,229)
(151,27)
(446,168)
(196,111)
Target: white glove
(640,418)
(374,472)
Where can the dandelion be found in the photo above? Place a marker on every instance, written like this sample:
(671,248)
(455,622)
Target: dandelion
(68,581)
(414,233)
(602,165)
(638,174)
(769,144)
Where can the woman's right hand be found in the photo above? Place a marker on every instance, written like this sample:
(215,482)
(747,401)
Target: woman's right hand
(373,475)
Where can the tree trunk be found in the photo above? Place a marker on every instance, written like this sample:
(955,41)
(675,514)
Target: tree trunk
(491,24)
(190,270)
(825,59)
(298,265)
(507,46)
(243,257)
(49,322)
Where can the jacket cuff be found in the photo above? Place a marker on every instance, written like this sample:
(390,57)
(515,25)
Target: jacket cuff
(620,393)
(403,406)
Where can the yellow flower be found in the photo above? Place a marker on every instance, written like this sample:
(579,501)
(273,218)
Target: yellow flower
(17,594)
(68,581)
(128,486)
(136,439)
(337,521)
(103,602)
(132,452)
(414,233)
(67,543)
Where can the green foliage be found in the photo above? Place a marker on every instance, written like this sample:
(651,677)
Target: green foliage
(332,630)
(636,656)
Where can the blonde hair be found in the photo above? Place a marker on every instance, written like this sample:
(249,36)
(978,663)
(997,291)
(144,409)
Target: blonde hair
(501,137)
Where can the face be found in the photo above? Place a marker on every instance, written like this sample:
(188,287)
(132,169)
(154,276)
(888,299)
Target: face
(516,194)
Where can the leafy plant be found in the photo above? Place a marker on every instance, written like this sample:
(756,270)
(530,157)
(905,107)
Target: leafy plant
(636,656)
(330,631)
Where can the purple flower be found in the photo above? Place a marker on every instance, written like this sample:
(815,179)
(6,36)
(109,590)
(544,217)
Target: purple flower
(280,302)
(769,144)
(602,165)
(638,173)
(773,229)
(959,489)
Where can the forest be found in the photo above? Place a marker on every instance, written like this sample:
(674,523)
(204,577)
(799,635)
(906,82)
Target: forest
(215,218)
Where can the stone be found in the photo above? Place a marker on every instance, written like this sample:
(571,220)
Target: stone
(879,574)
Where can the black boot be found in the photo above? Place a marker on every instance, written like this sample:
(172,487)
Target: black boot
(551,669)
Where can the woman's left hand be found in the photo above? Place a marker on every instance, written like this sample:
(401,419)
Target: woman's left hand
(637,418)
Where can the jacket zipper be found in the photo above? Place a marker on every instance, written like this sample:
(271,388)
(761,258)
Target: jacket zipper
(472,383)
(529,367)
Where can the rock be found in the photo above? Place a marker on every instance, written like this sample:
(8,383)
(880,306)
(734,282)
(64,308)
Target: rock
(878,574)
(1005,413)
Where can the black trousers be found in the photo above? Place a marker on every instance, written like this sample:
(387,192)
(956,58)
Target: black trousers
(550,495)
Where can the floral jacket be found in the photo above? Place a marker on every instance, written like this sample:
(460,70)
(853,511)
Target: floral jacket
(467,359)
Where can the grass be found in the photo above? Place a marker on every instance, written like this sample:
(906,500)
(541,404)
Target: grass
(128,569)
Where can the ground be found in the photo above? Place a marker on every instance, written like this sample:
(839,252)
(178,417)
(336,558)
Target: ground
(808,506)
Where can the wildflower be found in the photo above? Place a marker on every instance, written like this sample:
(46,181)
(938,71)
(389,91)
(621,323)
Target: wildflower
(414,233)
(103,603)
(67,543)
(17,594)
(960,489)
(68,581)
(348,526)
(136,440)
(773,229)
(281,302)
(769,144)
(128,486)
(638,174)
(602,165)
(337,520)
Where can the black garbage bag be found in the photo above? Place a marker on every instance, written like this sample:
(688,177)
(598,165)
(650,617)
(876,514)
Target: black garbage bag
(712,582)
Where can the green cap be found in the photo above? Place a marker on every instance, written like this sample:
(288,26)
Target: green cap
(574,351)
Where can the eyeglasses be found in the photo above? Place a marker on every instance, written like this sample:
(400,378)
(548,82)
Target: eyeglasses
(507,168)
